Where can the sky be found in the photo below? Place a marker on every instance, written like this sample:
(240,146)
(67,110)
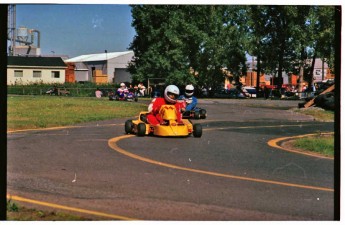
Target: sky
(78,29)
(75,30)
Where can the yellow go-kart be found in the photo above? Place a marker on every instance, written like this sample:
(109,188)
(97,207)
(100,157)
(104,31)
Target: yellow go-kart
(170,128)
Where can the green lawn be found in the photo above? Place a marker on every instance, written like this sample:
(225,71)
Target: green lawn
(27,112)
(323,145)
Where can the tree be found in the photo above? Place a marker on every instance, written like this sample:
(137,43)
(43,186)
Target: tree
(324,30)
(314,30)
(258,40)
(283,38)
(187,41)
(158,47)
(195,43)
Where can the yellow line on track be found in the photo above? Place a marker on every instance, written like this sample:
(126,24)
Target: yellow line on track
(39,129)
(274,143)
(62,127)
(113,144)
(90,212)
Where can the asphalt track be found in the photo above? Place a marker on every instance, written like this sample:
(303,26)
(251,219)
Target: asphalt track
(235,171)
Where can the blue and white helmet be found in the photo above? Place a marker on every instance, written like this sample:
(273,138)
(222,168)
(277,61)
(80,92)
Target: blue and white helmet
(189,90)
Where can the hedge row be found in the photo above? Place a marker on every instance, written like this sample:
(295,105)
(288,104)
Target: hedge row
(75,89)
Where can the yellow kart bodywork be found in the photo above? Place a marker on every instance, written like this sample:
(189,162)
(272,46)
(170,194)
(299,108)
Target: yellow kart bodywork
(171,128)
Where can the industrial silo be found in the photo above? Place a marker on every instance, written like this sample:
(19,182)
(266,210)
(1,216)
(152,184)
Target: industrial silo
(25,38)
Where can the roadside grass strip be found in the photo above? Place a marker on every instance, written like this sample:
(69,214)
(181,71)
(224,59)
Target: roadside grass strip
(61,127)
(113,144)
(57,206)
(275,143)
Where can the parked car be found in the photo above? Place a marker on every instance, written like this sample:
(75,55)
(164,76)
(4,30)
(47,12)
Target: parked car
(249,92)
(232,93)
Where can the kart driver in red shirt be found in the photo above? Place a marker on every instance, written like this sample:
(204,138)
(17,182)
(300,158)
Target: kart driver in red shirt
(171,94)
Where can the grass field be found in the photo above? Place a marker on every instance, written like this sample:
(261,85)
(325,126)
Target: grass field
(28,112)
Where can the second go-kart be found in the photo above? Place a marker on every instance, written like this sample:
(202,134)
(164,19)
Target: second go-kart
(171,128)
(196,113)
(124,97)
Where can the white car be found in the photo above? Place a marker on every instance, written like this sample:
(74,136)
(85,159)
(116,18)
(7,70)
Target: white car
(249,92)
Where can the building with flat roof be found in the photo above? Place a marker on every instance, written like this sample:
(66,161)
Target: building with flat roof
(28,70)
(113,65)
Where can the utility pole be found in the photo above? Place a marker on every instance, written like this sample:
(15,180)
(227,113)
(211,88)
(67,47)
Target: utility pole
(252,73)
(323,69)
(106,61)
(301,81)
(11,26)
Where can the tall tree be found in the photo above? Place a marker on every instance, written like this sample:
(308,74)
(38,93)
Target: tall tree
(313,35)
(302,37)
(258,41)
(194,43)
(233,39)
(324,33)
(279,39)
(158,46)
(199,40)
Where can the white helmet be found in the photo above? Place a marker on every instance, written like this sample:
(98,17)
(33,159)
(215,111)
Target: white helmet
(171,90)
(122,85)
(189,90)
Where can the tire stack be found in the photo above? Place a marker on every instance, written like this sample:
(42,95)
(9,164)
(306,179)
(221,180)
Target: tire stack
(325,101)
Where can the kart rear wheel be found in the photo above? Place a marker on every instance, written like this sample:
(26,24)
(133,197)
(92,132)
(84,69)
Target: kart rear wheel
(128,126)
(203,114)
(197,130)
(196,115)
(141,129)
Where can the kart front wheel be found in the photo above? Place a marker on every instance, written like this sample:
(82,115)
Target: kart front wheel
(128,126)
(141,129)
(197,130)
